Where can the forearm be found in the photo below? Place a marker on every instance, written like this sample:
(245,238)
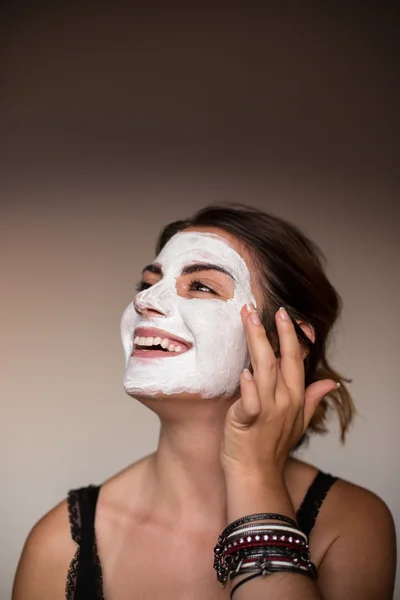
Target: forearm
(251,494)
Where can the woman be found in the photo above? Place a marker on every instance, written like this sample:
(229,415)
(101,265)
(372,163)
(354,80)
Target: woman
(234,402)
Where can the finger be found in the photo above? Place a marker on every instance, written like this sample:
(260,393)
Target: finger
(314,394)
(292,363)
(262,356)
(246,410)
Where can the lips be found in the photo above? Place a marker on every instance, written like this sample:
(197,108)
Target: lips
(151,342)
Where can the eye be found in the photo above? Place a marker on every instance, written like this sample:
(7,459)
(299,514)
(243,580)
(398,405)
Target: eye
(197,286)
(142,285)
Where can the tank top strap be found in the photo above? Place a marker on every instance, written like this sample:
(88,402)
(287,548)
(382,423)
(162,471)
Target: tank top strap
(312,502)
(82,511)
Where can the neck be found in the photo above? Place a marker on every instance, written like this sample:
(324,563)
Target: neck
(186,474)
(184,478)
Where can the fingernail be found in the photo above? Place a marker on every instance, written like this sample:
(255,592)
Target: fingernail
(283,314)
(255,318)
(338,384)
(249,307)
(247,375)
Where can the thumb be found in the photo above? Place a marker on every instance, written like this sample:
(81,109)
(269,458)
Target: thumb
(314,393)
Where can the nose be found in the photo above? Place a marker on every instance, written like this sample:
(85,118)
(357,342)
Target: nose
(153,302)
(145,308)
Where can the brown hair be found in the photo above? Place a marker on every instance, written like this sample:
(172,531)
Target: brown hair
(290,270)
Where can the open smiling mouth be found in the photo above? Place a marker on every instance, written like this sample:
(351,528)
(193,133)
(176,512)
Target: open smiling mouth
(156,343)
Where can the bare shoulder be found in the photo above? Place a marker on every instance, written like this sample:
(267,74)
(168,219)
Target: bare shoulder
(362,545)
(44,562)
(345,503)
(356,506)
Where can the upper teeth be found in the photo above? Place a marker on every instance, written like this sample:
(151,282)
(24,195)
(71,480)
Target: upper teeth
(157,341)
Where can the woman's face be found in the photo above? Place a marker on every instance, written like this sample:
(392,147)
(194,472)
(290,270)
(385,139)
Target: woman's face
(183,332)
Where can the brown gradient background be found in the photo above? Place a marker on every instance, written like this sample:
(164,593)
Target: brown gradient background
(115,121)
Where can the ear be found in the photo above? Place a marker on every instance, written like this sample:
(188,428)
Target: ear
(309,331)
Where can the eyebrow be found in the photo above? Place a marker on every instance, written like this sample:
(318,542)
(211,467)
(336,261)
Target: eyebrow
(153,269)
(196,268)
(189,269)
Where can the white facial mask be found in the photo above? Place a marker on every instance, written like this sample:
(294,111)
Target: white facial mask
(213,326)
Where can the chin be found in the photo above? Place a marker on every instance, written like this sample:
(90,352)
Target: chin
(153,397)
(157,395)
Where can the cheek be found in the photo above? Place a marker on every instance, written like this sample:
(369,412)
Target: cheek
(215,325)
(128,323)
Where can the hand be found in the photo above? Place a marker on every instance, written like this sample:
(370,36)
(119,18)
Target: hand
(274,410)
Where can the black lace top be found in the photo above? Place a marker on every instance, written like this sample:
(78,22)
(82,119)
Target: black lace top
(84,578)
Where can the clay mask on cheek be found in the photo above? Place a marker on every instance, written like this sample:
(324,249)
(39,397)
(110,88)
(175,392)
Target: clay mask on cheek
(213,327)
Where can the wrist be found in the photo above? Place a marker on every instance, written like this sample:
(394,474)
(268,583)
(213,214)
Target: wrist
(253,478)
(252,493)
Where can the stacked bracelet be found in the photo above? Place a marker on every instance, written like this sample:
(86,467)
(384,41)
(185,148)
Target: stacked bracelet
(261,548)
